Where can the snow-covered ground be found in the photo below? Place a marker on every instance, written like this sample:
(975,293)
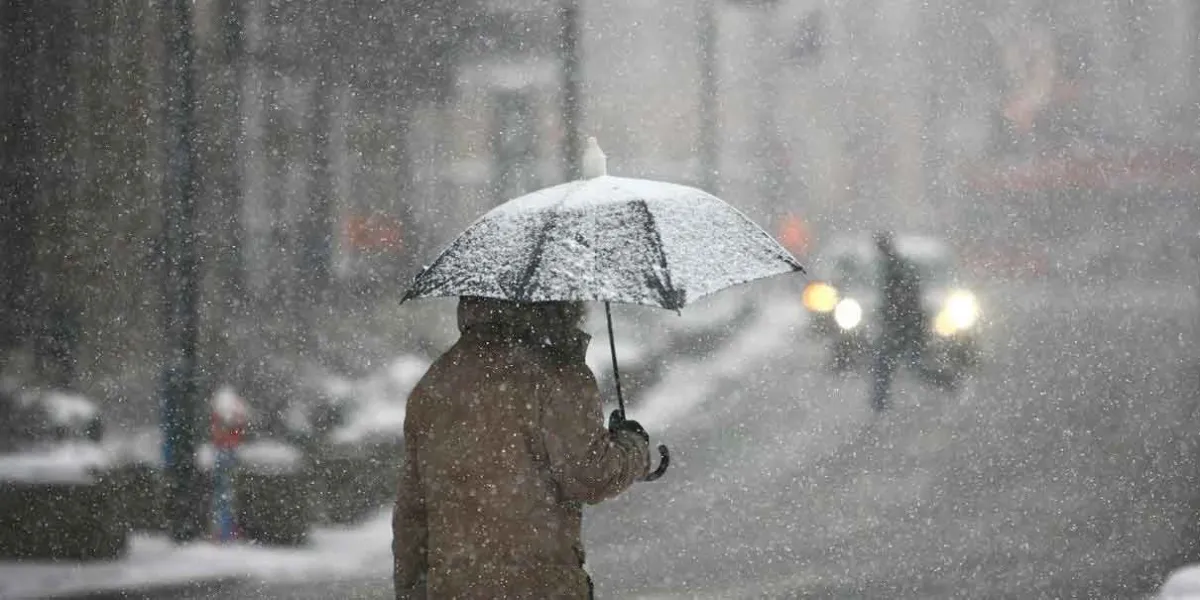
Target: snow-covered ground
(364,550)
(677,402)
(154,562)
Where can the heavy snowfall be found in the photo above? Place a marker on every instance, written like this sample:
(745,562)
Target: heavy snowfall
(909,289)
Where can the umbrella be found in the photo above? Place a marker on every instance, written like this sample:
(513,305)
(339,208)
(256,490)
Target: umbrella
(606,239)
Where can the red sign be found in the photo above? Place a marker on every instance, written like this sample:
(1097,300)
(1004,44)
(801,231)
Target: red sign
(374,233)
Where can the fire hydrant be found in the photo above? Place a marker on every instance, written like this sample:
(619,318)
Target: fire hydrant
(228,426)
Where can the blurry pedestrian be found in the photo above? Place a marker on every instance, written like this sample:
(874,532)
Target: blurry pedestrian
(504,443)
(902,332)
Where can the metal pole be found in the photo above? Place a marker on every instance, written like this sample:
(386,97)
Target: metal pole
(233,28)
(612,346)
(317,221)
(181,401)
(18,173)
(571,77)
(709,127)
(769,146)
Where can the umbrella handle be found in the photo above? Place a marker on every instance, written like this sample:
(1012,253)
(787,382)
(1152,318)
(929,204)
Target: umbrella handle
(662,464)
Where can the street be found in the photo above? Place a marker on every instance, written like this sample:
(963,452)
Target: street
(1064,469)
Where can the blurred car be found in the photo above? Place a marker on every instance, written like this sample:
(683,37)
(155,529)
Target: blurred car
(58,498)
(844,300)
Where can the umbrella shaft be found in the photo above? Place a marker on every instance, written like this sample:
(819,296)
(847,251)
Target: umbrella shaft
(612,346)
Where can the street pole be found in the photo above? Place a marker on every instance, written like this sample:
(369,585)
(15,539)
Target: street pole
(769,146)
(181,401)
(710,155)
(235,58)
(571,78)
(317,221)
(18,174)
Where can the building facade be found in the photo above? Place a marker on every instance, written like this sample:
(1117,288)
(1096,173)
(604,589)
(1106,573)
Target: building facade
(858,114)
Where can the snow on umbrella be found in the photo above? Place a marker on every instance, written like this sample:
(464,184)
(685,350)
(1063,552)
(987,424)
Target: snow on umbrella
(607,239)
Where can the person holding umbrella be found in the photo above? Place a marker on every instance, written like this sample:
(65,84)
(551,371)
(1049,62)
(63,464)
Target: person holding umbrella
(503,446)
(902,335)
(503,436)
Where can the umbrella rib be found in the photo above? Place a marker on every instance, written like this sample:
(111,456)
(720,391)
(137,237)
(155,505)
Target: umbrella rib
(415,290)
(672,299)
(539,248)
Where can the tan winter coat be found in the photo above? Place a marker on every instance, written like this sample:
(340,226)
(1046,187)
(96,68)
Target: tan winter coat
(504,443)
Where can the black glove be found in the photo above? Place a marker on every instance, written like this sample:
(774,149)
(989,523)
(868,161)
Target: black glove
(618,422)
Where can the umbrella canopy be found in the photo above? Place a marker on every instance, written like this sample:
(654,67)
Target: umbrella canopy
(611,239)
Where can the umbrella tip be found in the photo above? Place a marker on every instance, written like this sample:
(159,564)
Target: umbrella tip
(595,163)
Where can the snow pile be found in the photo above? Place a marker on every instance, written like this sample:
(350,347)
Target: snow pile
(1183,584)
(688,385)
(155,562)
(262,456)
(376,404)
(67,407)
(71,462)
(229,406)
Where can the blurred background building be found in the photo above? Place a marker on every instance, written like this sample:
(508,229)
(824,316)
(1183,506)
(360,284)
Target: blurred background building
(340,143)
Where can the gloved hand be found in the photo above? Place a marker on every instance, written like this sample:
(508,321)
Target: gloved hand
(617,422)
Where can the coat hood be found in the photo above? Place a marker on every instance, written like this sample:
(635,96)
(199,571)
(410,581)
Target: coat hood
(545,324)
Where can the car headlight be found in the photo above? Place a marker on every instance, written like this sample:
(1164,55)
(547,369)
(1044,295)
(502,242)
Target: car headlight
(848,313)
(820,297)
(959,312)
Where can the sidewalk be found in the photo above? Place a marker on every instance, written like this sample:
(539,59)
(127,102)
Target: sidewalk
(155,565)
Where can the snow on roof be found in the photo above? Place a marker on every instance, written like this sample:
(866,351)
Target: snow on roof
(228,405)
